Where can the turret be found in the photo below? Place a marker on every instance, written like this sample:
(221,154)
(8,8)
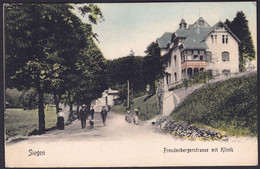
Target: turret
(183,24)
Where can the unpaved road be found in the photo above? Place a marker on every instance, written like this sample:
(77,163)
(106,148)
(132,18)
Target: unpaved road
(123,144)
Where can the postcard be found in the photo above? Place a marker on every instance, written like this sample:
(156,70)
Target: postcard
(164,84)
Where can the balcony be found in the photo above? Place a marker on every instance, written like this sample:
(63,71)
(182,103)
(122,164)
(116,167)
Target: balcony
(193,64)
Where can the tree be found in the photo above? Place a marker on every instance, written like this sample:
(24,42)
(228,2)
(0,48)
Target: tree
(239,26)
(13,97)
(45,48)
(126,68)
(90,77)
(153,68)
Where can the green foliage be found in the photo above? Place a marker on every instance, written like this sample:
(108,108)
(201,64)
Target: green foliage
(20,122)
(230,105)
(126,68)
(13,98)
(29,99)
(148,107)
(153,68)
(140,71)
(45,45)
(176,87)
(239,26)
(200,78)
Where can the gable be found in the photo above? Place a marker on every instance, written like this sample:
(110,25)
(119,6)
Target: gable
(200,23)
(221,27)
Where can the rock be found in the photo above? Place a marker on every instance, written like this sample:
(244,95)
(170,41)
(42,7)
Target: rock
(184,130)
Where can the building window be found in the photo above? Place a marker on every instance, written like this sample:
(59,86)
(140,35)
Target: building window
(195,57)
(212,38)
(202,52)
(225,72)
(175,60)
(226,38)
(225,56)
(175,77)
(201,57)
(216,38)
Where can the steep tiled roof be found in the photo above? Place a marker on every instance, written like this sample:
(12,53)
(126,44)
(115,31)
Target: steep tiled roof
(164,40)
(195,38)
(181,33)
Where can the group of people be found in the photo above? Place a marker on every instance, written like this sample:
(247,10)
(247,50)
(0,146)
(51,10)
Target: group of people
(85,113)
(132,116)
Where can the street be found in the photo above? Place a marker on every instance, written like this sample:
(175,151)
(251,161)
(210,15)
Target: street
(123,144)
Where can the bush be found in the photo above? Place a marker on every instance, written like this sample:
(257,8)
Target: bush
(230,105)
(29,99)
(201,77)
(13,98)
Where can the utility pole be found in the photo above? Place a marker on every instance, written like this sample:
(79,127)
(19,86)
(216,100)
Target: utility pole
(128,95)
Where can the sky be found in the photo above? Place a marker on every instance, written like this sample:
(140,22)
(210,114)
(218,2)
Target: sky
(133,26)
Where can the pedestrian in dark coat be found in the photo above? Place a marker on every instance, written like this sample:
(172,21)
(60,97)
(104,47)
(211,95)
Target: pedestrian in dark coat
(103,114)
(92,111)
(83,116)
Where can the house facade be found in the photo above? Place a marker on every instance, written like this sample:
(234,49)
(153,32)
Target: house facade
(108,99)
(197,48)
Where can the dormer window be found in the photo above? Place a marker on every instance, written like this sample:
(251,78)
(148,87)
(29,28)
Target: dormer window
(201,23)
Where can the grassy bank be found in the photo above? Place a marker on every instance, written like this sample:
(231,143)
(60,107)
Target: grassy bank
(21,122)
(230,106)
(148,107)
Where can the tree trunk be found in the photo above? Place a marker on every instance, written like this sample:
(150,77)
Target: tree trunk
(71,109)
(78,111)
(41,111)
(78,108)
(57,102)
(71,105)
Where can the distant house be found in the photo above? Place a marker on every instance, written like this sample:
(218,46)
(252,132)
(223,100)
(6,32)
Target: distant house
(108,99)
(197,48)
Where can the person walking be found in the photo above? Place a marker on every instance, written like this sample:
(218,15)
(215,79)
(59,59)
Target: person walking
(83,116)
(103,114)
(92,111)
(136,113)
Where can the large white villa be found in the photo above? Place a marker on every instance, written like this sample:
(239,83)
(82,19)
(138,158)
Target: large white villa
(198,47)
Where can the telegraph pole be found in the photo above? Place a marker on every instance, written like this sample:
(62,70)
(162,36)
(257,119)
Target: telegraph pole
(128,95)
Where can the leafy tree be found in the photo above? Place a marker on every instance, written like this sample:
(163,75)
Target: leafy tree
(126,68)
(90,77)
(152,65)
(45,48)
(239,26)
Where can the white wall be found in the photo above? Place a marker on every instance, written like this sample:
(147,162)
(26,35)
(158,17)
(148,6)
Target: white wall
(217,49)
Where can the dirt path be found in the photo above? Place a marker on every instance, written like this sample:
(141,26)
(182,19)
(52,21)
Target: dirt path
(121,144)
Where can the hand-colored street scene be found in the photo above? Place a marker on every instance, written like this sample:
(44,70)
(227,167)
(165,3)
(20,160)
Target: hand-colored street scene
(128,85)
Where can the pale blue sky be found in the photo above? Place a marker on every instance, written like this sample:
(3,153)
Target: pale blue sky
(135,25)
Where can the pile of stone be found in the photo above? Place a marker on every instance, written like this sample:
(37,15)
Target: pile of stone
(185,131)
